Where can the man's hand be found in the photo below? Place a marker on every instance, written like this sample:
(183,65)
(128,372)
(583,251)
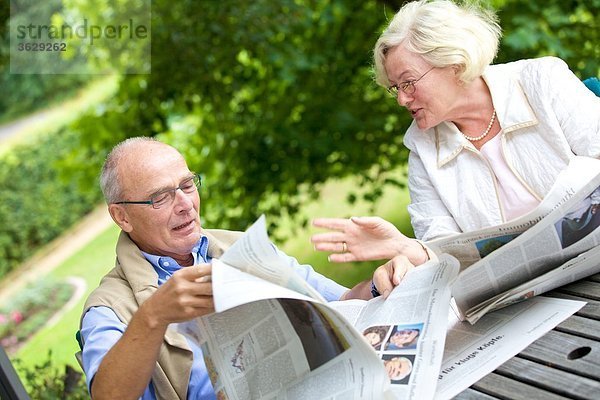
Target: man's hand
(127,367)
(186,295)
(390,274)
(385,278)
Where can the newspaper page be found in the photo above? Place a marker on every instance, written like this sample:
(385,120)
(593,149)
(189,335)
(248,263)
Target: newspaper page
(268,341)
(471,247)
(255,254)
(566,232)
(405,329)
(577,268)
(473,351)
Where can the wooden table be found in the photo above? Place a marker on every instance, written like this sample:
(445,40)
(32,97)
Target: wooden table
(562,364)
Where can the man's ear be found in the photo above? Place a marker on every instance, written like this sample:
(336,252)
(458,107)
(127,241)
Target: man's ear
(119,215)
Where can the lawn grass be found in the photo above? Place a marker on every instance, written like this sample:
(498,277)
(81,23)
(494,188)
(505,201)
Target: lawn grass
(90,263)
(97,257)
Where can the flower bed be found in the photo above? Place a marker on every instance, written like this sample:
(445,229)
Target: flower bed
(29,310)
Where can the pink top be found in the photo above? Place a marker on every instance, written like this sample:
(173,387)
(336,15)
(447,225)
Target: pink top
(515,199)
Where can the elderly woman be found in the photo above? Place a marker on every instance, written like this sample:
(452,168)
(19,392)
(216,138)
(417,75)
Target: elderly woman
(486,142)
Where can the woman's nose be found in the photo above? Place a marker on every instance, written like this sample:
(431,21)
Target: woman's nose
(403,98)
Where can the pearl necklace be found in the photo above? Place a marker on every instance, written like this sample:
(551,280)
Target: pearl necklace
(484,134)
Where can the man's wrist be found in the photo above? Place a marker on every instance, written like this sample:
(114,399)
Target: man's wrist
(374,290)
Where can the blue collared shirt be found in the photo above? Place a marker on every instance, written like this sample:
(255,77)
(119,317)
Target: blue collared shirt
(101,328)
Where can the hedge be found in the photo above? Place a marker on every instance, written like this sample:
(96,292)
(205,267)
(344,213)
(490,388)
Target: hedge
(37,202)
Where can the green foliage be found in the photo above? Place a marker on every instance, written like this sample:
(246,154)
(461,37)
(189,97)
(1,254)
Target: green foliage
(269,99)
(566,29)
(46,382)
(266,99)
(37,203)
(23,93)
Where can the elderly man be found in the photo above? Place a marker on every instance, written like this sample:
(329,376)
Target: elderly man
(129,350)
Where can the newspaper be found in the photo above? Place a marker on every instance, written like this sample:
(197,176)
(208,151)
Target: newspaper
(533,254)
(274,337)
(473,351)
(403,329)
(470,247)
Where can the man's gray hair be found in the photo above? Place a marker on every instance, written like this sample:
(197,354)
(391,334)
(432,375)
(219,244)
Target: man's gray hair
(110,182)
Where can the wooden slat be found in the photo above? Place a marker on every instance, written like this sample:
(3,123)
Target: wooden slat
(590,310)
(579,326)
(506,388)
(472,394)
(588,289)
(554,347)
(551,379)
(543,370)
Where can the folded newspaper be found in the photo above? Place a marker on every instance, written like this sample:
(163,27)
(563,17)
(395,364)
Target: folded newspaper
(555,244)
(274,337)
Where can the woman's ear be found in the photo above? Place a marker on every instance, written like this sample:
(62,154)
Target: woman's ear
(119,215)
(458,70)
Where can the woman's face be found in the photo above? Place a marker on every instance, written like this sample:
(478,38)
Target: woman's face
(434,94)
(403,337)
(373,338)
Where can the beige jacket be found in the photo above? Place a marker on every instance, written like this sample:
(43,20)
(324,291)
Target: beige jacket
(547,116)
(129,284)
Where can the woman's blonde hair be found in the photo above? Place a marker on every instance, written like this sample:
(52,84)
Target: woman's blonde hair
(444,34)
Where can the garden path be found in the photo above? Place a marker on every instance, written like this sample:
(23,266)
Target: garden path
(52,255)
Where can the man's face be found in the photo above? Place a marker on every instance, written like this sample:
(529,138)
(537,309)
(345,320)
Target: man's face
(172,230)
(398,367)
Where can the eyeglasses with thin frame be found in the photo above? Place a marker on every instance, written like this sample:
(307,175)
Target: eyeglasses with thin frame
(166,197)
(407,87)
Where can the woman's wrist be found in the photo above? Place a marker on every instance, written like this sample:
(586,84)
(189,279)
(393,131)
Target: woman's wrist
(425,251)
(416,252)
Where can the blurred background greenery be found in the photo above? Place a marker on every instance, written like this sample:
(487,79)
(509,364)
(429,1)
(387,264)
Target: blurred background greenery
(271,100)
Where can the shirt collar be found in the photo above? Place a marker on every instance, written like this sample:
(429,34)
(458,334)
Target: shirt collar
(166,266)
(512,110)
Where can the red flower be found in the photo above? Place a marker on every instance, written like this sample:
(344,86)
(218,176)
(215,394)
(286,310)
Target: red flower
(16,316)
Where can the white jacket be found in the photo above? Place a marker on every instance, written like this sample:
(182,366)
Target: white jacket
(547,116)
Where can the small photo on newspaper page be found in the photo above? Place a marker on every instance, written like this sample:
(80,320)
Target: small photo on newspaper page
(396,345)
(486,246)
(404,337)
(399,367)
(376,335)
(319,336)
(580,221)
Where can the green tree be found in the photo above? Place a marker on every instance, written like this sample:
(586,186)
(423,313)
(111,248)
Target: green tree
(23,93)
(566,29)
(269,99)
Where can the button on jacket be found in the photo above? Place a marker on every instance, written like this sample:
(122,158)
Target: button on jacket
(547,116)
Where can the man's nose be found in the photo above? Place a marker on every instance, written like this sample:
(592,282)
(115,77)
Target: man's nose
(183,200)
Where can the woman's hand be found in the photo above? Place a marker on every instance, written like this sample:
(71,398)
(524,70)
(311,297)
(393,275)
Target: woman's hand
(365,239)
